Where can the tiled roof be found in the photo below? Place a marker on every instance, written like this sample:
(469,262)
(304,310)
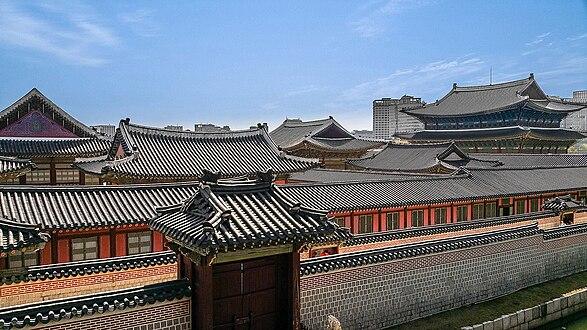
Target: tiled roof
(333,175)
(478,99)
(397,234)
(46,312)
(497,133)
(54,147)
(153,153)
(16,236)
(478,184)
(57,113)
(418,157)
(347,260)
(323,133)
(89,267)
(234,215)
(12,167)
(561,203)
(514,161)
(565,230)
(66,207)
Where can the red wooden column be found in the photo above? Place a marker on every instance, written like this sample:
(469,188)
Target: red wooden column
(202,296)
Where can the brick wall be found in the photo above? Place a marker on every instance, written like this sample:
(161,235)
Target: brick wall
(33,291)
(167,315)
(381,295)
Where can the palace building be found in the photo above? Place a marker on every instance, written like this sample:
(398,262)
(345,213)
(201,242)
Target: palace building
(515,116)
(324,139)
(149,154)
(37,132)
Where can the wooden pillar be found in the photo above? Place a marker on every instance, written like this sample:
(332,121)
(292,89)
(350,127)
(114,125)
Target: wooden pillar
(294,274)
(52,173)
(202,294)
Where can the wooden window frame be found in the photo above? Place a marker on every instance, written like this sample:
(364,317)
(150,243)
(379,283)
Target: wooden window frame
(85,240)
(392,218)
(460,214)
(364,220)
(419,219)
(139,235)
(440,217)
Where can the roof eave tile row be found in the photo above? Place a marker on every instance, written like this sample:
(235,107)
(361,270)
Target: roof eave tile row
(90,267)
(55,310)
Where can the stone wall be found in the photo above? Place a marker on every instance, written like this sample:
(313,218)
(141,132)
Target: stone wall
(531,318)
(388,293)
(167,315)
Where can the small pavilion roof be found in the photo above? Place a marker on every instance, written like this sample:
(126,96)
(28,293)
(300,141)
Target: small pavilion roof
(323,133)
(562,203)
(227,215)
(143,152)
(17,236)
(468,100)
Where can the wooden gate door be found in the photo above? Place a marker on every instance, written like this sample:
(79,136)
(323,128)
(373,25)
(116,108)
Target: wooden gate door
(246,294)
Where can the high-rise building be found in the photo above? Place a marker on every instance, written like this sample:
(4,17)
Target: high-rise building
(389,119)
(178,128)
(577,120)
(108,130)
(210,128)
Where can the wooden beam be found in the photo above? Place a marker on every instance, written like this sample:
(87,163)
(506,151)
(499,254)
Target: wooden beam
(252,253)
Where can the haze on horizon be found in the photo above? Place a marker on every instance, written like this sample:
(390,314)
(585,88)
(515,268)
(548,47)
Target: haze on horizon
(240,63)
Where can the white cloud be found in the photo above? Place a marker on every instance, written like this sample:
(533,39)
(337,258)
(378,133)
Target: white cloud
(538,39)
(577,37)
(414,80)
(141,22)
(304,90)
(374,16)
(75,40)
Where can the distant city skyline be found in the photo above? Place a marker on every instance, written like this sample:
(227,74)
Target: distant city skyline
(239,64)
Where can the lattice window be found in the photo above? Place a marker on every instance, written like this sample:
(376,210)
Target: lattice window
(490,210)
(41,175)
(92,179)
(84,248)
(23,259)
(440,215)
(417,218)
(478,211)
(365,223)
(520,206)
(392,220)
(65,174)
(534,205)
(462,213)
(139,242)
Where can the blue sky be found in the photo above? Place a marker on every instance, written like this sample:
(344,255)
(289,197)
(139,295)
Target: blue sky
(239,63)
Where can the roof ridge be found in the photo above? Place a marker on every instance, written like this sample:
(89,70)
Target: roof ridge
(97,187)
(188,133)
(505,84)
(417,177)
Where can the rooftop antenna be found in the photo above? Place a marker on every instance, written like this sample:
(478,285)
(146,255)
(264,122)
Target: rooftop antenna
(490,75)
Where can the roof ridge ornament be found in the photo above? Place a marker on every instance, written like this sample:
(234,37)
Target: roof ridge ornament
(266,176)
(209,176)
